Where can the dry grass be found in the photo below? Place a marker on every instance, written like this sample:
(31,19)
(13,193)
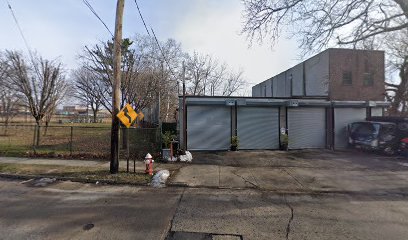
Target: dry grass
(79,173)
(87,142)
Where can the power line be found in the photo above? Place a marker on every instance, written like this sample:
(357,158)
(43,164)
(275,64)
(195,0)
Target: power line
(19,28)
(24,39)
(141,16)
(96,15)
(157,41)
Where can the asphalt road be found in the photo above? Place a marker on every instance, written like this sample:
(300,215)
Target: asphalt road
(305,196)
(62,210)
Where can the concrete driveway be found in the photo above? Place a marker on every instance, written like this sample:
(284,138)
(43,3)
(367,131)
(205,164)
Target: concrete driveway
(296,171)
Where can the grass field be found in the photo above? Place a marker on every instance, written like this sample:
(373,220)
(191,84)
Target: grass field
(81,173)
(74,141)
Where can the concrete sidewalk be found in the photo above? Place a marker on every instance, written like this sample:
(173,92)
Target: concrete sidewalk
(335,172)
(140,166)
(306,172)
(51,161)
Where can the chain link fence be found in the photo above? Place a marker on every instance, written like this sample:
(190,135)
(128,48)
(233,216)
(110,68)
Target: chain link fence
(76,141)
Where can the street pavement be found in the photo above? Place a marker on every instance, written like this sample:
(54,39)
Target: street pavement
(297,195)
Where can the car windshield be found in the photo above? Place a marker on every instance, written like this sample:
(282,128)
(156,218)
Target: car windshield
(365,129)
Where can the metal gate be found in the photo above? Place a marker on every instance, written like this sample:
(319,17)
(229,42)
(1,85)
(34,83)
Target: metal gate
(258,127)
(208,127)
(342,117)
(306,128)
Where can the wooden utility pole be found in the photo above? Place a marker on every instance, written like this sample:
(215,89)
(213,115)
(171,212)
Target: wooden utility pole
(184,110)
(114,159)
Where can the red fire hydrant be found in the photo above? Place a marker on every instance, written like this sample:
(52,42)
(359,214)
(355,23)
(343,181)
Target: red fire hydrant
(149,164)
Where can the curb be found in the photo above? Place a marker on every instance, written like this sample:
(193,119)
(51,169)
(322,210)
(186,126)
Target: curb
(174,185)
(80,180)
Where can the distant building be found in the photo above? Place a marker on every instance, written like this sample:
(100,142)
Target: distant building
(334,74)
(73,110)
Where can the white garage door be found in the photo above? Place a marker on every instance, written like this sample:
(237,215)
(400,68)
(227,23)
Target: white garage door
(307,128)
(208,127)
(258,127)
(343,117)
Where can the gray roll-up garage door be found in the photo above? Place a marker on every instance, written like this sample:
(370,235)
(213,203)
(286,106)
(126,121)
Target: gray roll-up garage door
(307,128)
(208,127)
(342,117)
(258,127)
(377,112)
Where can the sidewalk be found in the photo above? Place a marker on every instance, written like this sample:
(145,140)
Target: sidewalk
(140,166)
(49,161)
(308,172)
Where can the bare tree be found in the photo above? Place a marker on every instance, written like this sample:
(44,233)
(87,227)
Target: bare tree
(9,107)
(87,90)
(41,83)
(206,76)
(98,60)
(9,101)
(319,23)
(397,92)
(233,83)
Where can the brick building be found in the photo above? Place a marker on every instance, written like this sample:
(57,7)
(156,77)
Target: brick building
(334,74)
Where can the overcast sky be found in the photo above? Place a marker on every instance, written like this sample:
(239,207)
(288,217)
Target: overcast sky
(62,28)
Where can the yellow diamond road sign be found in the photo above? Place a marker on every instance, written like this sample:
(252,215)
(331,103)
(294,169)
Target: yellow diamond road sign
(127,115)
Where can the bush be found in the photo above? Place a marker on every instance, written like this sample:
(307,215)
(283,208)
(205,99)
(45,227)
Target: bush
(167,137)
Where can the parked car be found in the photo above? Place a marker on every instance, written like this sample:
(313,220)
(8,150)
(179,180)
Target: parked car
(377,136)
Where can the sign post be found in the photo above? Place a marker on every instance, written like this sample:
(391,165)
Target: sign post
(127,116)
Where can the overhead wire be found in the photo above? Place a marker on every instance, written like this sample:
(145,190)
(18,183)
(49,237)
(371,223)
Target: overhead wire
(97,16)
(156,40)
(19,27)
(141,16)
(23,37)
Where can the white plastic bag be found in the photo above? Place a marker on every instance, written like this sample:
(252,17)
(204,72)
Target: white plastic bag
(186,158)
(160,178)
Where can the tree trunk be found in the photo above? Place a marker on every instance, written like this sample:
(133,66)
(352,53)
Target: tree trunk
(95,114)
(6,125)
(400,93)
(37,143)
(46,128)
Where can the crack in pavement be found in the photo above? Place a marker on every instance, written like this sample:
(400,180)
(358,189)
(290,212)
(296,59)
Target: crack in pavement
(247,181)
(292,214)
(170,226)
(296,180)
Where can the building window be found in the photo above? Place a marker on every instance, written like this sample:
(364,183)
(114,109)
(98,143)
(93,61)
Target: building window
(368,79)
(347,80)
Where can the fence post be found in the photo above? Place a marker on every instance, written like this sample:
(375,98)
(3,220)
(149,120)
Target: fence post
(70,141)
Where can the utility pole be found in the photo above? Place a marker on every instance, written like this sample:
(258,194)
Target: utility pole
(184,110)
(114,158)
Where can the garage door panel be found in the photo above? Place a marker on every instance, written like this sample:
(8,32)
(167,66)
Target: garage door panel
(208,128)
(375,112)
(307,128)
(343,117)
(258,127)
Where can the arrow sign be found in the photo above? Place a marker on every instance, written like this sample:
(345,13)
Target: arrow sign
(127,115)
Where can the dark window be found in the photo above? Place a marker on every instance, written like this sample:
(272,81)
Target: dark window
(368,79)
(366,65)
(347,80)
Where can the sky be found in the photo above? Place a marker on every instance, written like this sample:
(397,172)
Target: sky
(60,29)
